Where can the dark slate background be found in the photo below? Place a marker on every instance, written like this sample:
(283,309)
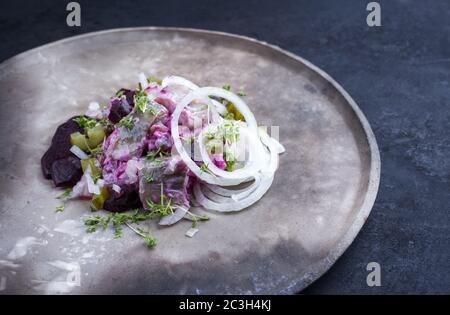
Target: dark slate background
(398,73)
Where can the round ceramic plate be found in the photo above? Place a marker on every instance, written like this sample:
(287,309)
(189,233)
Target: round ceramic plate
(323,190)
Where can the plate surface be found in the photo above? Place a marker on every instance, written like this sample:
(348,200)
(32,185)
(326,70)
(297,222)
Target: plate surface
(323,190)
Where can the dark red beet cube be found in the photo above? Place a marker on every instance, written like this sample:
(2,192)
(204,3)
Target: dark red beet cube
(119,108)
(127,199)
(66,172)
(53,154)
(129,94)
(63,132)
(60,146)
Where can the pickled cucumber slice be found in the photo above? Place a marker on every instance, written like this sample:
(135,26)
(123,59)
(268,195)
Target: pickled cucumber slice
(95,166)
(233,110)
(79,140)
(98,201)
(95,136)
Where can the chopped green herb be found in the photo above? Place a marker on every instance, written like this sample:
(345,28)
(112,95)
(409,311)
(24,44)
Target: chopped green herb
(204,168)
(97,150)
(109,127)
(148,238)
(141,101)
(148,178)
(96,177)
(229,116)
(230,159)
(196,218)
(127,122)
(156,156)
(153,111)
(65,194)
(118,220)
(118,231)
(229,131)
(93,222)
(227,87)
(161,209)
(241,93)
(85,122)
(154,80)
(59,208)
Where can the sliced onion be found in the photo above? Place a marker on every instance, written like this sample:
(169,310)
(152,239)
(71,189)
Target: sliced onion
(191,232)
(78,152)
(92,187)
(100,183)
(143,81)
(221,109)
(233,98)
(177,80)
(277,145)
(235,194)
(229,204)
(173,218)
(116,188)
(173,79)
(253,165)
(94,110)
(205,176)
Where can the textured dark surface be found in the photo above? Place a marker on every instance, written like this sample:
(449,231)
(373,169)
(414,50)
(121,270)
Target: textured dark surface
(397,73)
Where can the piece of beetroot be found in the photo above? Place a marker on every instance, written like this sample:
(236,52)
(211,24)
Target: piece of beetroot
(60,146)
(119,107)
(127,199)
(63,132)
(53,154)
(66,172)
(129,94)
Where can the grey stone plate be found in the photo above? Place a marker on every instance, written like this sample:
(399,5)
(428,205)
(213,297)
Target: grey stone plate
(323,190)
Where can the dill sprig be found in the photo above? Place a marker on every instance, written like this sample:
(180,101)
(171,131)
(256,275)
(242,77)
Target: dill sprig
(161,209)
(127,122)
(141,101)
(85,122)
(118,220)
(65,194)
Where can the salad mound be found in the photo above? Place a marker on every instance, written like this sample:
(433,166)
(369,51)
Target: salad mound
(167,150)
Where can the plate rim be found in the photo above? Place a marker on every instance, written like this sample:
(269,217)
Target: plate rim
(375,161)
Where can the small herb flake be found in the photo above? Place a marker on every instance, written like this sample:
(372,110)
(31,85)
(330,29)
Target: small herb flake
(204,168)
(85,122)
(154,80)
(65,194)
(148,179)
(118,220)
(127,122)
(141,101)
(227,87)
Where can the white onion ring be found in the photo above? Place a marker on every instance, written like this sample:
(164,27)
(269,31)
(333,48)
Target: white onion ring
(235,194)
(78,152)
(249,170)
(173,79)
(177,80)
(143,81)
(230,205)
(205,176)
(236,100)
